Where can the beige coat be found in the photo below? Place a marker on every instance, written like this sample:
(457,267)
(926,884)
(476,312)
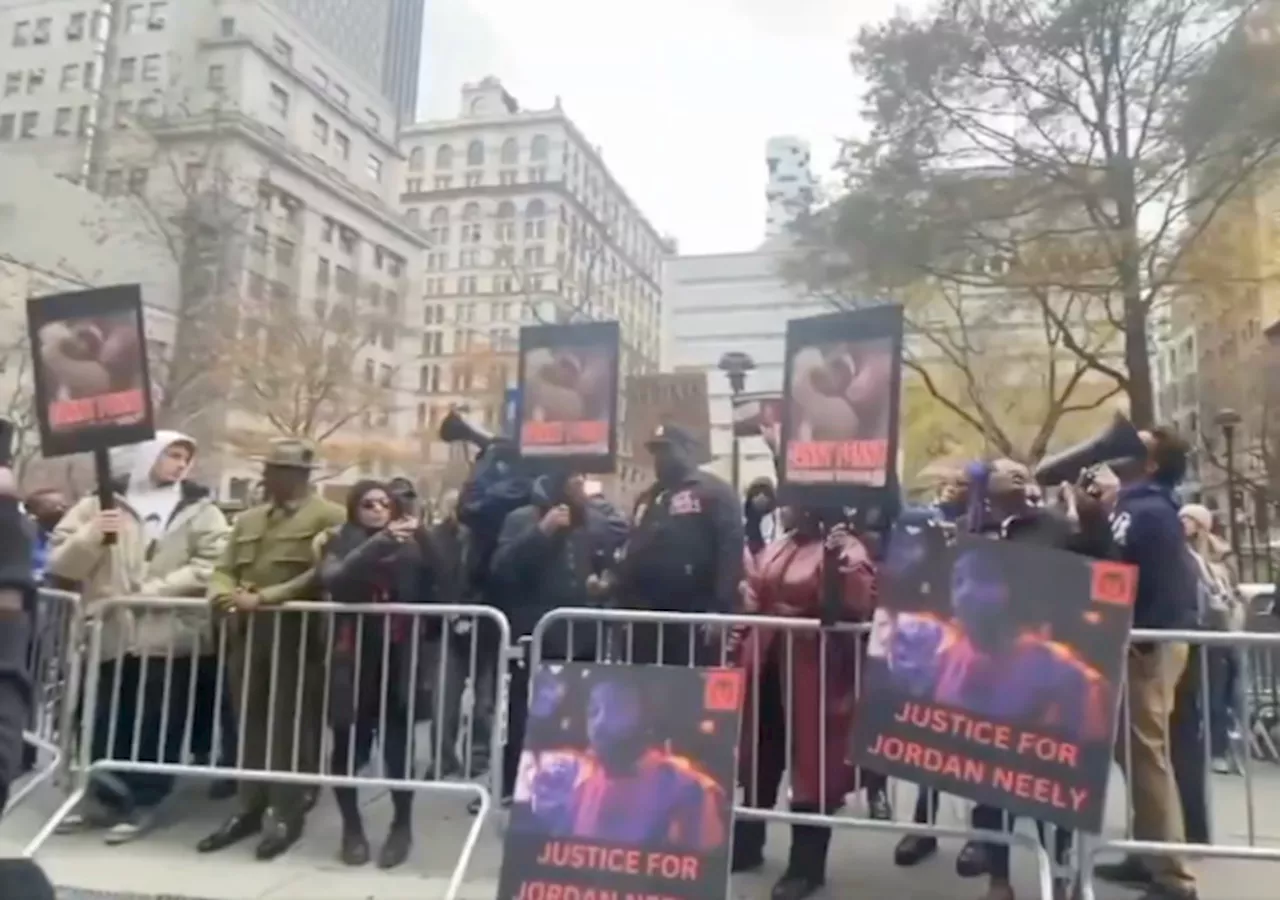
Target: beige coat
(178,565)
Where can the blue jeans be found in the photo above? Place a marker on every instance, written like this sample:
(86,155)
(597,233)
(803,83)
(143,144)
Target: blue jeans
(1224,697)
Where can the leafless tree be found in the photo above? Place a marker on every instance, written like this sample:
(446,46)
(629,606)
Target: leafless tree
(1122,127)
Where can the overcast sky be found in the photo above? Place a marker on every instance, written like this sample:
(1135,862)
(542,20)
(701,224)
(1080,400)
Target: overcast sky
(681,95)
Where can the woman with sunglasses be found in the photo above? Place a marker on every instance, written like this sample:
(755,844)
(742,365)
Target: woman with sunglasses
(381,555)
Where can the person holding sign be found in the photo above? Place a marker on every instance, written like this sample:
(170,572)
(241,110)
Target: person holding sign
(787,580)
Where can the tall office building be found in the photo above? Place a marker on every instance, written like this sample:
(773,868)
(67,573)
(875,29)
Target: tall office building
(403,62)
(355,31)
(235,115)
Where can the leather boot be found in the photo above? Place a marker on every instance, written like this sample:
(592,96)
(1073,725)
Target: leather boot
(807,867)
(748,845)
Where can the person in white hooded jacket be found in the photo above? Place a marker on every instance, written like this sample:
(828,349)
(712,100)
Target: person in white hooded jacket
(169,534)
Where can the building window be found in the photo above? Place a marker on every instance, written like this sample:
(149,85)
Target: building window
(374,167)
(82,121)
(70,77)
(75,27)
(444,157)
(510,152)
(279,101)
(7,123)
(413,216)
(320,130)
(343,145)
(538,148)
(88,76)
(62,121)
(322,272)
(535,225)
(415,159)
(156,16)
(128,69)
(151,67)
(438,233)
(133,18)
(282,49)
(475,153)
(217,77)
(227,26)
(21,33)
(35,80)
(285,251)
(40,34)
(137,181)
(12,83)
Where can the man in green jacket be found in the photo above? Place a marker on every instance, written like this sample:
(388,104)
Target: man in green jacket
(277,677)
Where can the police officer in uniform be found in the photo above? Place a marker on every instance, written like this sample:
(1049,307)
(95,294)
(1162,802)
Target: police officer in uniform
(269,560)
(685,554)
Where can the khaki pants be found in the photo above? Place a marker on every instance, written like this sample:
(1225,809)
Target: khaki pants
(1157,811)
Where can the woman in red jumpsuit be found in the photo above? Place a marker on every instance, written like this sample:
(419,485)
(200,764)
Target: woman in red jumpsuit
(785,579)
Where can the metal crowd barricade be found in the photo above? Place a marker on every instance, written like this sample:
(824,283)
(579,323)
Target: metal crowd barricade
(626,636)
(171,690)
(53,663)
(1202,677)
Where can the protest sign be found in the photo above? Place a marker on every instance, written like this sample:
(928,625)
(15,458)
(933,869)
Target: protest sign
(567,407)
(994,672)
(671,398)
(840,395)
(626,784)
(92,384)
(755,413)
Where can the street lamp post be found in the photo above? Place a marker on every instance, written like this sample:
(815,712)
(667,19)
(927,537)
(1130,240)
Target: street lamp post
(1227,420)
(735,365)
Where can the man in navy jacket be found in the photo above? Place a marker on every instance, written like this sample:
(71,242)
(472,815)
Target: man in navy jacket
(1148,534)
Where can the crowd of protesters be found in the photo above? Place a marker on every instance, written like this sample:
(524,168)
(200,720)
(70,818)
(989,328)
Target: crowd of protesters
(262,697)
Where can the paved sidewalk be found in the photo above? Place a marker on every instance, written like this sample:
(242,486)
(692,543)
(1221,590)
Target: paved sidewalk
(164,865)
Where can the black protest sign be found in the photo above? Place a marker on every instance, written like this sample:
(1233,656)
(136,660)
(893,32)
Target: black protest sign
(568,401)
(994,674)
(92,382)
(626,784)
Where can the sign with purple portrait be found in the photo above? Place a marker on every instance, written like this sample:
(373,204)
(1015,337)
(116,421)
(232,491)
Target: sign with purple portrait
(994,672)
(626,784)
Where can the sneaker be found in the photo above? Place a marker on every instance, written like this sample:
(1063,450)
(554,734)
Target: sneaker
(91,816)
(1129,871)
(130,828)
(1170,892)
(1221,766)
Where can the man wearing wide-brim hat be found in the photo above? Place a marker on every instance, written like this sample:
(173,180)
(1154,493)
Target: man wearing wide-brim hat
(277,681)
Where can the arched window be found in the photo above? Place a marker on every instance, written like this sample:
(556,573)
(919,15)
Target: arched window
(415,159)
(510,152)
(506,221)
(444,157)
(414,215)
(475,153)
(535,225)
(438,233)
(538,149)
(471,226)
